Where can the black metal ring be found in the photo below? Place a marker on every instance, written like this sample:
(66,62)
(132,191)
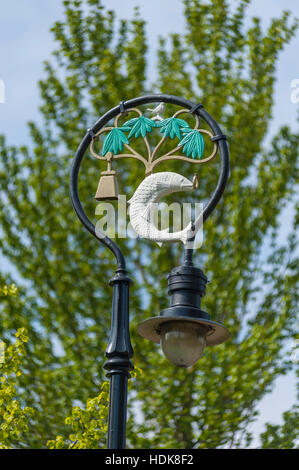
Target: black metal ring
(195,108)
(122,107)
(146,99)
(91,133)
(216,138)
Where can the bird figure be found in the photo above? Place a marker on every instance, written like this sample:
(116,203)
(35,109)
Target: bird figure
(157,111)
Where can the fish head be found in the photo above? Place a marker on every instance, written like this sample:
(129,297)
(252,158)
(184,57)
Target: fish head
(180,183)
(161,183)
(169,182)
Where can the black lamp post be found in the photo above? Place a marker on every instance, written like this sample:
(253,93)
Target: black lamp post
(183,329)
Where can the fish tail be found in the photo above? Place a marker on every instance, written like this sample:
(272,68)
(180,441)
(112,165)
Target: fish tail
(185,236)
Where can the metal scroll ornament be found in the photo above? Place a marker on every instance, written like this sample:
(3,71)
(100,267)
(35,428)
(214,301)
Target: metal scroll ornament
(119,143)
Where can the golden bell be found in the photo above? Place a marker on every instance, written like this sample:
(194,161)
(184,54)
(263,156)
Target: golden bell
(107,187)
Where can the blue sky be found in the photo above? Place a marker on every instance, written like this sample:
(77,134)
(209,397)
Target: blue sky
(26,41)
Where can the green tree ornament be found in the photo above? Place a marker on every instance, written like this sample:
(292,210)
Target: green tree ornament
(139,126)
(171,127)
(192,143)
(115,140)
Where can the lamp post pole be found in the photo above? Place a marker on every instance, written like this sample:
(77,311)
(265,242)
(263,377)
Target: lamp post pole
(119,350)
(118,364)
(185,282)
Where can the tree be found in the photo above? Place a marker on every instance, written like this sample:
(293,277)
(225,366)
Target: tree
(284,436)
(66,305)
(14,418)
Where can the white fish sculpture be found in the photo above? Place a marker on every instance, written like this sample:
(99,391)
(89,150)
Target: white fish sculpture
(150,192)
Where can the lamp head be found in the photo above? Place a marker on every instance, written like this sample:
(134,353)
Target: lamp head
(183,329)
(183,342)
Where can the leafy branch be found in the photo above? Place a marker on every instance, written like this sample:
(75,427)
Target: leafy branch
(191,140)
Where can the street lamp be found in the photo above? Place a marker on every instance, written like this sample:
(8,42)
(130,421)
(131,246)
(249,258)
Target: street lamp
(183,329)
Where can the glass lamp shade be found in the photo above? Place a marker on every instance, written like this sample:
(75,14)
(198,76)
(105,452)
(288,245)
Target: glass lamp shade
(182,342)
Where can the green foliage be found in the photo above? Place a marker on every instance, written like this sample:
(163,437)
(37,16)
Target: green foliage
(192,143)
(115,140)
(171,127)
(284,436)
(8,290)
(14,417)
(64,302)
(140,126)
(89,426)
